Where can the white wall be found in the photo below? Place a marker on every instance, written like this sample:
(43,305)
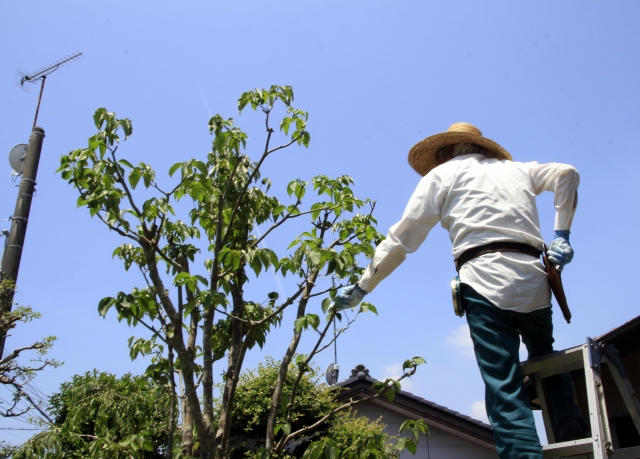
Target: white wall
(437,445)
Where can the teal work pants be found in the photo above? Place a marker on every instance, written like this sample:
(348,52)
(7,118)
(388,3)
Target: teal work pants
(496,340)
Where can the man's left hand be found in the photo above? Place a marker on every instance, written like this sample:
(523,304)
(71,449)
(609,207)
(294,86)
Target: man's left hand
(349,297)
(560,251)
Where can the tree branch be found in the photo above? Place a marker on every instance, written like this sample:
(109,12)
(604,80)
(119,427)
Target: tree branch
(351,403)
(19,388)
(123,182)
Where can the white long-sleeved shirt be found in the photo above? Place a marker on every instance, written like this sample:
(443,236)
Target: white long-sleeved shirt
(479,200)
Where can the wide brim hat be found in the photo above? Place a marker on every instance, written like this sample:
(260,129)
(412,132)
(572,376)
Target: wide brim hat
(423,156)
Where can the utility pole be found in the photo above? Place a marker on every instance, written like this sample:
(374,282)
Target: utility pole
(15,242)
(10,262)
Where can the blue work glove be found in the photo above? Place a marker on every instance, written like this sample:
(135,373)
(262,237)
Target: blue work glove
(560,252)
(349,297)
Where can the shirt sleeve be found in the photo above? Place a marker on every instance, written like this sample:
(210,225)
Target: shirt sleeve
(563,181)
(420,216)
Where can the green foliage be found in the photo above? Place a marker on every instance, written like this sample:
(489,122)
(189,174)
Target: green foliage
(253,399)
(6,450)
(98,415)
(390,387)
(15,374)
(345,435)
(415,428)
(195,265)
(354,435)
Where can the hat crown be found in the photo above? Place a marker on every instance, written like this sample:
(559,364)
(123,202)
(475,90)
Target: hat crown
(424,157)
(465,127)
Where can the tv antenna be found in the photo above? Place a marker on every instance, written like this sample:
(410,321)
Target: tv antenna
(23,77)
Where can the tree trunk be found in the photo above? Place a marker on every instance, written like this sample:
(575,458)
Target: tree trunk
(187,424)
(236,353)
(207,366)
(284,366)
(185,354)
(172,408)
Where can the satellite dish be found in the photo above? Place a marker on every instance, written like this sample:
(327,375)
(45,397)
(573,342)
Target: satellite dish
(332,373)
(17,156)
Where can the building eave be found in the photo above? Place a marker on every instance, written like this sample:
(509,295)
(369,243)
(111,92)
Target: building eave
(414,407)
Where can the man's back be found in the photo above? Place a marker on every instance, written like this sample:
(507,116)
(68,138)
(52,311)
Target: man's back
(486,200)
(480,200)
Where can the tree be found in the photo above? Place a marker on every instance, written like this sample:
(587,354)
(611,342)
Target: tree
(250,414)
(353,435)
(15,374)
(100,415)
(195,269)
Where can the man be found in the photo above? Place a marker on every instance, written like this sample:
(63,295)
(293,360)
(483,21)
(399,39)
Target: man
(486,202)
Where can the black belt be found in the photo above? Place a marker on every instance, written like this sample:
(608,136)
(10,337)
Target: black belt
(499,246)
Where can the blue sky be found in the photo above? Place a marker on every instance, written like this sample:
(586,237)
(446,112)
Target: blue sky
(549,81)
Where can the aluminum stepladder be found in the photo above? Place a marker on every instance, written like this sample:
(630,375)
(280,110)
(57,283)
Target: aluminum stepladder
(588,357)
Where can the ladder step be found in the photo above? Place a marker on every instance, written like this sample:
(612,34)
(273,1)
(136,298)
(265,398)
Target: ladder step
(568,448)
(555,363)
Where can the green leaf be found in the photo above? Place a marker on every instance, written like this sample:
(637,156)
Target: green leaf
(284,402)
(174,168)
(284,125)
(315,257)
(413,362)
(301,359)
(313,320)
(418,360)
(300,323)
(411,447)
(314,451)
(391,394)
(126,163)
(377,387)
(331,449)
(310,320)
(369,232)
(364,307)
(105,304)
(291,187)
(202,280)
(134,177)
(325,304)
(126,127)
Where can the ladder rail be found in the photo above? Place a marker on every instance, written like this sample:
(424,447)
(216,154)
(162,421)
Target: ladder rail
(600,433)
(625,388)
(544,407)
(588,357)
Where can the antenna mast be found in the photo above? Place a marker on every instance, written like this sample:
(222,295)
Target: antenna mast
(333,369)
(23,77)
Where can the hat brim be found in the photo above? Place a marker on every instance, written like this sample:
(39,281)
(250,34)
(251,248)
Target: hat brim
(423,155)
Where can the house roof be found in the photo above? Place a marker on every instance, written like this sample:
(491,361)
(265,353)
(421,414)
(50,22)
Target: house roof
(625,337)
(358,386)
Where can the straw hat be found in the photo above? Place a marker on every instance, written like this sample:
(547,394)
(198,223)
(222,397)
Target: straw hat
(423,155)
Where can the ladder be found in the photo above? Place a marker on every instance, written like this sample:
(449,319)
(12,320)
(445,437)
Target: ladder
(589,357)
